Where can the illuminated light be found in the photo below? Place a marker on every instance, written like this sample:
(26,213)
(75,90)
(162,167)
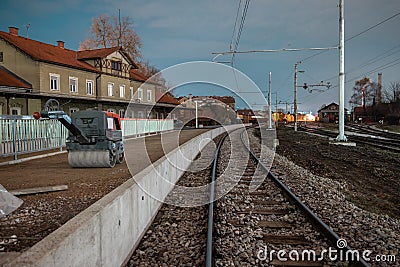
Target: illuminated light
(36,115)
(310,117)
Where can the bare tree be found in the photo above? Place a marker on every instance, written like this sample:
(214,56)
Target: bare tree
(364,92)
(150,71)
(392,93)
(109,32)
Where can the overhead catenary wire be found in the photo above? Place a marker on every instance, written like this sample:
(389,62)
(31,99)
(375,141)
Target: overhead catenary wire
(356,35)
(387,53)
(234,27)
(380,68)
(239,33)
(373,60)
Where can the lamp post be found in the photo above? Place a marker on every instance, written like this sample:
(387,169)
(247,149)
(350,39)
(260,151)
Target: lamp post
(197,118)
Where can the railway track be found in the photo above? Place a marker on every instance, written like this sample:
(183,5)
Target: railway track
(251,225)
(355,136)
(371,131)
(243,227)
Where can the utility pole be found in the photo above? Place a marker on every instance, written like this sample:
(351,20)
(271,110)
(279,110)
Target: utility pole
(341,136)
(286,103)
(276,110)
(295,98)
(269,102)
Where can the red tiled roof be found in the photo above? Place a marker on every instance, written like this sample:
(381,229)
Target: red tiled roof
(97,53)
(46,52)
(10,80)
(104,52)
(225,99)
(137,75)
(166,98)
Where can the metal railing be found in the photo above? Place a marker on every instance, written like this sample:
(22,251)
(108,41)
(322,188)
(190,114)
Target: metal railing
(136,127)
(23,134)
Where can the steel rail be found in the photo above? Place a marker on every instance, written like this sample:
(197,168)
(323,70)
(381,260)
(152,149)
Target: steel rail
(386,144)
(209,251)
(315,220)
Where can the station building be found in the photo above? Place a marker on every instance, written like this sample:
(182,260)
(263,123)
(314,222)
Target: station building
(31,72)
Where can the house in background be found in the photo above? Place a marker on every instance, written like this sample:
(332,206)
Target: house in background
(31,72)
(246,115)
(330,113)
(13,85)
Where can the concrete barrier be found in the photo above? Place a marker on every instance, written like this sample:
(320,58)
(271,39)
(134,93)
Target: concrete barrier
(106,233)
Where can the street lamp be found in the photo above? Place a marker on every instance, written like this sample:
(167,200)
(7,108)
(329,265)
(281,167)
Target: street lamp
(197,119)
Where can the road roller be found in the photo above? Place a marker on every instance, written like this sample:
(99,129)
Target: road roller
(95,137)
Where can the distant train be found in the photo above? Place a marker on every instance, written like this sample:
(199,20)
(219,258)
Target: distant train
(288,118)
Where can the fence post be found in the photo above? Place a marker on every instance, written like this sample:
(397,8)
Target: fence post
(14,134)
(61,132)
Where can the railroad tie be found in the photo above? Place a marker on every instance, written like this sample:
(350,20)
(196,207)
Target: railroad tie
(286,239)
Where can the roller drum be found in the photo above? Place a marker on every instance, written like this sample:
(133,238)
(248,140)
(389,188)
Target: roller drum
(91,159)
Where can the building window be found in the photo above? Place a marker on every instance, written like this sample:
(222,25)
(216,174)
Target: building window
(1,56)
(121,113)
(73,85)
(116,65)
(140,93)
(15,111)
(89,87)
(131,92)
(54,81)
(122,91)
(140,114)
(148,95)
(72,110)
(110,88)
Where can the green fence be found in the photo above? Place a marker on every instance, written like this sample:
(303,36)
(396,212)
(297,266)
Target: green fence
(136,127)
(23,134)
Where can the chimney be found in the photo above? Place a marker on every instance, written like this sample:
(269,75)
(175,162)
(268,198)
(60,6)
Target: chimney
(60,44)
(13,30)
(379,93)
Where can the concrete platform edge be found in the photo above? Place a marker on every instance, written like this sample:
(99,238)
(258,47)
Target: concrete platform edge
(106,233)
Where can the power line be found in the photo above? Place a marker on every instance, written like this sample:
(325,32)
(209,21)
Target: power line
(239,33)
(234,27)
(370,61)
(380,68)
(356,35)
(372,27)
